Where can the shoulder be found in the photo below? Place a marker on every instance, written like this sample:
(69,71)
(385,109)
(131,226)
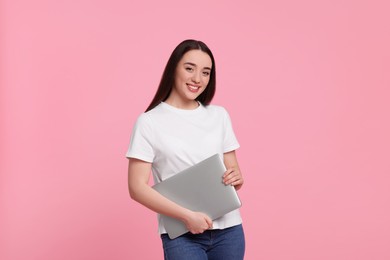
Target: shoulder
(146,117)
(216,109)
(156,112)
(142,122)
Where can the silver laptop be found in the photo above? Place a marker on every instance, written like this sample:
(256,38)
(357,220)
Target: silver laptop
(198,188)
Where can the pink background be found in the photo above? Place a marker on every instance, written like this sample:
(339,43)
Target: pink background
(307,85)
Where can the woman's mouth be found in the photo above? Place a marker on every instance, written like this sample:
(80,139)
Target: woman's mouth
(193,88)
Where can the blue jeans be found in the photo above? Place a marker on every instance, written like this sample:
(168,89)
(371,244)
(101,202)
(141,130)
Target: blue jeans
(217,244)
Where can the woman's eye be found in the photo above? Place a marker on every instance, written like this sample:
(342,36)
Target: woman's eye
(206,73)
(189,69)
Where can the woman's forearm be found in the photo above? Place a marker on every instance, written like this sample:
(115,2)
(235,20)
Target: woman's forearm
(150,198)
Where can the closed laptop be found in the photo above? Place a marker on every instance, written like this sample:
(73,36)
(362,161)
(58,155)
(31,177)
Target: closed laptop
(198,188)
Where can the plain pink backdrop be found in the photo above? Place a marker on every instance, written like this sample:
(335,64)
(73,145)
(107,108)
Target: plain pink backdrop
(307,85)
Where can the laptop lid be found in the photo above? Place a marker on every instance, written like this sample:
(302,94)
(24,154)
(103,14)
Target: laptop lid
(198,188)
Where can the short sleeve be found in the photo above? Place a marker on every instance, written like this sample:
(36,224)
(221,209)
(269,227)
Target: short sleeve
(230,142)
(141,142)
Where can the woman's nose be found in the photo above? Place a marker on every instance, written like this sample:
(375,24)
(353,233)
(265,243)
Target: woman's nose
(196,78)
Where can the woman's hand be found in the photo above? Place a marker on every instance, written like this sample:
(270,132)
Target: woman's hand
(198,222)
(233,177)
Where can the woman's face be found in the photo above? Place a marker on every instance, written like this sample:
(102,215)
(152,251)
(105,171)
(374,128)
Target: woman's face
(192,75)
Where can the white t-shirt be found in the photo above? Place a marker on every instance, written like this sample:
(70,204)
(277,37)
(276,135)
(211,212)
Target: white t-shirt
(174,139)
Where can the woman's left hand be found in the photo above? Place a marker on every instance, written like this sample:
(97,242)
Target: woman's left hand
(233,177)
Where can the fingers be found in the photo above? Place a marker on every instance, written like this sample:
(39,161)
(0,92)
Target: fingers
(232,177)
(228,172)
(209,222)
(198,223)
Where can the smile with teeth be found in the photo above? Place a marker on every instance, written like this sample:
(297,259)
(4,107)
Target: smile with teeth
(193,88)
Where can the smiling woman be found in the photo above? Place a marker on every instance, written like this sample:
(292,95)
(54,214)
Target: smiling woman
(186,56)
(192,77)
(179,129)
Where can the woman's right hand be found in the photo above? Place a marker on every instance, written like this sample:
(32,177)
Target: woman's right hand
(198,222)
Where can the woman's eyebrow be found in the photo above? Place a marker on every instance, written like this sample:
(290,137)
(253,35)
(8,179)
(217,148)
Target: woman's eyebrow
(193,64)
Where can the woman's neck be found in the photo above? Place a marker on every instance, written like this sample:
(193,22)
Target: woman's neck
(182,104)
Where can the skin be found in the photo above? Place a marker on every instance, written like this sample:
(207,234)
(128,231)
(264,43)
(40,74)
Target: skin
(191,79)
(192,72)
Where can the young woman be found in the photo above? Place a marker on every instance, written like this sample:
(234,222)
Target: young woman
(179,129)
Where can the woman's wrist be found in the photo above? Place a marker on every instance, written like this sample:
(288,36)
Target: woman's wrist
(185,216)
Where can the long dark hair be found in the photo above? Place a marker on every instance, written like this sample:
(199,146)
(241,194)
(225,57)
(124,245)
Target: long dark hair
(168,77)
